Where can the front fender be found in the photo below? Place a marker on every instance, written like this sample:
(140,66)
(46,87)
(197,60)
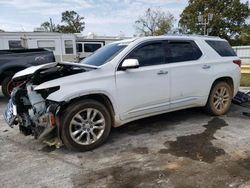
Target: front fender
(59,96)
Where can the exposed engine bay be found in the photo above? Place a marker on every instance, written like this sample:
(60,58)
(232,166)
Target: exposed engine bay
(29,109)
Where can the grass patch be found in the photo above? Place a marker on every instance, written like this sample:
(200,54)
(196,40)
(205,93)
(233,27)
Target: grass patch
(245,80)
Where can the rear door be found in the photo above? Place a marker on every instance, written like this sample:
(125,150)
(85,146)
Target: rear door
(189,73)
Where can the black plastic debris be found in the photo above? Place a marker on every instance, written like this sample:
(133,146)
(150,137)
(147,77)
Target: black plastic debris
(241,98)
(246,114)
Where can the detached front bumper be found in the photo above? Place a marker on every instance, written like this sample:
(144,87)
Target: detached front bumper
(39,126)
(10,113)
(34,114)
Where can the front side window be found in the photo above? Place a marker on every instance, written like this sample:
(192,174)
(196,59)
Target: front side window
(148,55)
(179,51)
(104,54)
(46,44)
(69,47)
(15,44)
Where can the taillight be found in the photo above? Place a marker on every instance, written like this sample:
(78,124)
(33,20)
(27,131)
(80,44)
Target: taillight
(238,62)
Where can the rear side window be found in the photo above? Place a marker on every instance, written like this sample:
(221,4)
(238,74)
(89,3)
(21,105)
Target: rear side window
(149,54)
(223,48)
(179,51)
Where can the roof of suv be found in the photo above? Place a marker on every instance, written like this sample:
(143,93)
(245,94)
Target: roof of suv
(193,37)
(185,37)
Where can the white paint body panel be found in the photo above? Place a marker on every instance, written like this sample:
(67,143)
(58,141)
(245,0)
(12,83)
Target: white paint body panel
(33,69)
(141,92)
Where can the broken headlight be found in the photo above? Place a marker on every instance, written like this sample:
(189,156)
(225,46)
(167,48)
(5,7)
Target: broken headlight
(46,92)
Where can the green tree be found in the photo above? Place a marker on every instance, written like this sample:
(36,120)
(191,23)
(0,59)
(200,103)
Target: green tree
(228,20)
(1,30)
(49,26)
(46,26)
(244,38)
(154,22)
(71,21)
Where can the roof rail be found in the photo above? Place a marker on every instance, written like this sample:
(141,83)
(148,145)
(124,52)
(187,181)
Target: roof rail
(192,35)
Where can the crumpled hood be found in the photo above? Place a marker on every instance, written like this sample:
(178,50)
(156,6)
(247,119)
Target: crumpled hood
(31,70)
(77,85)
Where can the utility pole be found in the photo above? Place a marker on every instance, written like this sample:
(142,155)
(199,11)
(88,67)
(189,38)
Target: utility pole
(205,21)
(51,25)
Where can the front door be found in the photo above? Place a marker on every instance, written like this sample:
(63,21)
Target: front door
(144,90)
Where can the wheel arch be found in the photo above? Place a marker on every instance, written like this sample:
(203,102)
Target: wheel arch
(227,79)
(100,97)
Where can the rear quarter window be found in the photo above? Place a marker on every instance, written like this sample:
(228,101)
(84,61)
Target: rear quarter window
(180,51)
(223,48)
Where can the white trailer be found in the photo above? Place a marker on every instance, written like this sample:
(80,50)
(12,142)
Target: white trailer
(86,45)
(63,45)
(66,47)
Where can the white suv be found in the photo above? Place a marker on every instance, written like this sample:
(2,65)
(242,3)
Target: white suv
(122,82)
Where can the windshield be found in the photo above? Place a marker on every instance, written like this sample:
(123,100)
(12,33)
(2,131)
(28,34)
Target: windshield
(104,54)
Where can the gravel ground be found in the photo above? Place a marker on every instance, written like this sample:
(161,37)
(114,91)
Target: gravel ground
(182,149)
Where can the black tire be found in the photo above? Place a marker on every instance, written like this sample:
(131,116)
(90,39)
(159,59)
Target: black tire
(5,84)
(219,104)
(71,111)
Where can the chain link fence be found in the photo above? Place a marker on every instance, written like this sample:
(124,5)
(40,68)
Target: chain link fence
(243,53)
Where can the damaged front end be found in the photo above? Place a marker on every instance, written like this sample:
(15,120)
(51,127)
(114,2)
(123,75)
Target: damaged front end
(34,115)
(30,110)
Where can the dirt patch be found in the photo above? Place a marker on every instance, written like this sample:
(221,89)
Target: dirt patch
(198,146)
(163,151)
(245,163)
(48,149)
(124,176)
(140,150)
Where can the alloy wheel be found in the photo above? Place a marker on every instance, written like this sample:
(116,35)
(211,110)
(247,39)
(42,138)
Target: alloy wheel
(87,126)
(221,98)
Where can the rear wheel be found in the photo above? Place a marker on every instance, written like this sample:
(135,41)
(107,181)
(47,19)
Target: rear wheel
(86,125)
(220,98)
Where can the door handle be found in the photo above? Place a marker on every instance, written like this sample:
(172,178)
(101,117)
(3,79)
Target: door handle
(161,72)
(206,66)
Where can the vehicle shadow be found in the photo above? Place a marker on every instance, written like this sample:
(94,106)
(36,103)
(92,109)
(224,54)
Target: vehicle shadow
(153,125)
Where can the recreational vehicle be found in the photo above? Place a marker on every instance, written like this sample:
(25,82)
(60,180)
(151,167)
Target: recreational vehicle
(66,47)
(63,45)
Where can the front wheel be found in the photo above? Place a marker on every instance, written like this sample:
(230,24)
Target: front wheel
(86,125)
(220,99)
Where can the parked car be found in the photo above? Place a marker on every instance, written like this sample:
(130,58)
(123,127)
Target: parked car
(12,61)
(122,82)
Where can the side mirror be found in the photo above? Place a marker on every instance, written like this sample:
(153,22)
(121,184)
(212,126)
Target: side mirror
(130,64)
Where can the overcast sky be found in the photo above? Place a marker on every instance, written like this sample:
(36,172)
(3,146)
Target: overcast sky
(103,17)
